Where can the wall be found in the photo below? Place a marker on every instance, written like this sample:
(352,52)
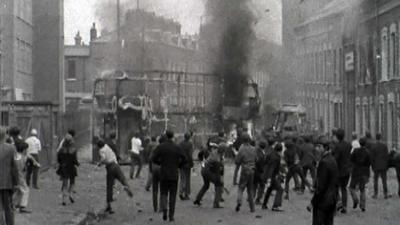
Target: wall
(48,51)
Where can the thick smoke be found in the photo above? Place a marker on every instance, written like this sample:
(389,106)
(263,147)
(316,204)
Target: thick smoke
(233,22)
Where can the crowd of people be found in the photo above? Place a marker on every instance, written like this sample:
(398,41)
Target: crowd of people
(262,165)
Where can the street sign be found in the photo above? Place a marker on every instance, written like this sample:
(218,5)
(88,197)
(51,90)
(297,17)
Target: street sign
(349,61)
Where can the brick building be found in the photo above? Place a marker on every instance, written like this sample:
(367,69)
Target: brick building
(348,66)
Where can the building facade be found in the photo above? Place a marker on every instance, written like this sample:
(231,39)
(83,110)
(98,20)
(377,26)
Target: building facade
(347,55)
(16,35)
(31,36)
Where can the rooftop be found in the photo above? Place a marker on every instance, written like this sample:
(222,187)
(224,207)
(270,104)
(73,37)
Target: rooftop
(77,50)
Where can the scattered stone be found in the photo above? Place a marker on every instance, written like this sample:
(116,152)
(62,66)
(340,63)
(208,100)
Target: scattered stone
(140,210)
(219,221)
(151,219)
(258,216)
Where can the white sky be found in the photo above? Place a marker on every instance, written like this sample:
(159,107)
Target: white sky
(80,14)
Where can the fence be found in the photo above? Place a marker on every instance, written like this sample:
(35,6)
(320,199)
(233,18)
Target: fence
(42,116)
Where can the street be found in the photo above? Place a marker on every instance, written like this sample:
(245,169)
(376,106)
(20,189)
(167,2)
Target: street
(139,211)
(90,200)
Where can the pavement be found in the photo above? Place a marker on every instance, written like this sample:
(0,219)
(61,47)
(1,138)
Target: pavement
(45,203)
(90,201)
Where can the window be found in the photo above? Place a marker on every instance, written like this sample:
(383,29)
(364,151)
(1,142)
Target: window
(71,69)
(392,51)
(384,52)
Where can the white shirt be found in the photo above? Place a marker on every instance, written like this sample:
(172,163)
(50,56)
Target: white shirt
(34,145)
(355,144)
(136,145)
(107,155)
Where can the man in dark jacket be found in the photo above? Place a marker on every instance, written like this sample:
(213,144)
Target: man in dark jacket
(170,158)
(185,172)
(307,158)
(326,187)
(360,174)
(246,159)
(272,173)
(259,181)
(341,152)
(291,156)
(379,161)
(8,179)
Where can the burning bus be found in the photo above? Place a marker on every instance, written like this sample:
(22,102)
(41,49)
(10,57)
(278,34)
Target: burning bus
(150,102)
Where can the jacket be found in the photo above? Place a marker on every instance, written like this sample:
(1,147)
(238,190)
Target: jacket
(8,167)
(246,158)
(326,185)
(361,162)
(341,152)
(379,156)
(170,158)
(187,148)
(307,154)
(273,164)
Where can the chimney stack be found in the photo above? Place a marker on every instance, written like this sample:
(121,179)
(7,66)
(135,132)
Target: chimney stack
(78,39)
(93,32)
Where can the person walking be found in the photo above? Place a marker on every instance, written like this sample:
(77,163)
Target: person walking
(341,152)
(326,188)
(21,195)
(307,157)
(259,181)
(114,172)
(246,159)
(379,161)
(155,176)
(360,160)
(211,171)
(136,160)
(8,179)
(185,173)
(68,161)
(292,159)
(34,149)
(272,173)
(170,158)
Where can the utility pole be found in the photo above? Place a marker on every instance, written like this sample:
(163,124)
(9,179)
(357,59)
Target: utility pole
(118,34)
(138,4)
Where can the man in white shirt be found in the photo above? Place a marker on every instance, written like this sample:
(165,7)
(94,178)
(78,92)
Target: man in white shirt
(354,143)
(136,160)
(34,149)
(114,172)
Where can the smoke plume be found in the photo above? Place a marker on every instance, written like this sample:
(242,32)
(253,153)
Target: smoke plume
(233,23)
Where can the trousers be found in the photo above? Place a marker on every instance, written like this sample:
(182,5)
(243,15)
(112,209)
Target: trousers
(32,172)
(216,179)
(292,171)
(274,186)
(323,217)
(114,172)
(185,176)
(6,208)
(358,182)
(21,195)
(169,190)
(383,175)
(136,160)
(246,182)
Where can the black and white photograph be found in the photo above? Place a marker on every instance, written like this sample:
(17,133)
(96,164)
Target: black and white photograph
(199,112)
